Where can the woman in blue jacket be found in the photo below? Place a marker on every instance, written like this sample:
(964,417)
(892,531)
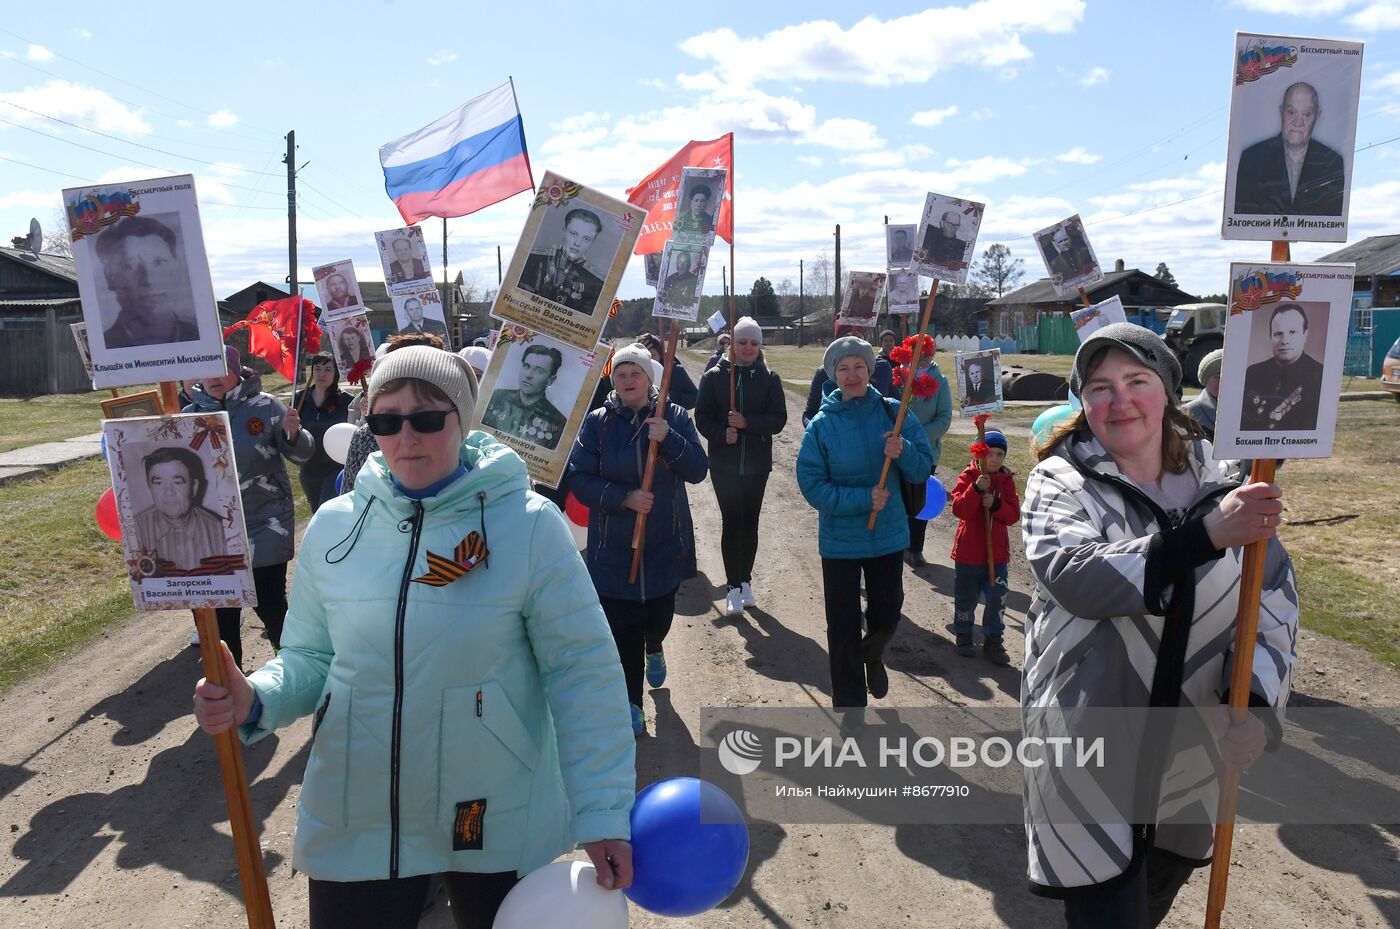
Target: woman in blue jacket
(605,474)
(469,717)
(838,470)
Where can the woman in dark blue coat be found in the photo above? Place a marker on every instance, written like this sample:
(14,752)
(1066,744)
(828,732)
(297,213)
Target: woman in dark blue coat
(605,474)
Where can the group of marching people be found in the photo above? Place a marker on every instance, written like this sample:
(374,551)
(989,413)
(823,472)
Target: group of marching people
(476,686)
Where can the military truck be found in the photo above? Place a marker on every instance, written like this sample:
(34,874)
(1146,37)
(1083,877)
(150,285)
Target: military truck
(1194,330)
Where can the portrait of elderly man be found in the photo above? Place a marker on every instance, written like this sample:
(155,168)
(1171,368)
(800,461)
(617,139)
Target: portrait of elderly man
(524,410)
(1292,173)
(1282,392)
(177,528)
(417,322)
(941,243)
(562,273)
(1069,257)
(695,218)
(901,252)
(681,284)
(338,295)
(142,269)
(405,267)
(978,381)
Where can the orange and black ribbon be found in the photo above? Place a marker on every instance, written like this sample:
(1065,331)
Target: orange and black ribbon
(469,553)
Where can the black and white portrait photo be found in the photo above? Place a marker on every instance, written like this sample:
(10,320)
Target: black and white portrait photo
(979,381)
(420,311)
(860,298)
(1068,256)
(404,257)
(682,281)
(899,245)
(698,200)
(946,237)
(351,341)
(338,289)
(903,292)
(1293,110)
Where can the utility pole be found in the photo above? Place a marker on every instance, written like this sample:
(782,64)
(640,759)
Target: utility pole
(447,291)
(291,161)
(498,267)
(801,310)
(836,287)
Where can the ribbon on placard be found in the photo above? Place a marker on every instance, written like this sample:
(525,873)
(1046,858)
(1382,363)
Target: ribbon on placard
(206,429)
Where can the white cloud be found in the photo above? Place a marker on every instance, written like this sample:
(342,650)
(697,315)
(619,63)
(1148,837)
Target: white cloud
(1296,7)
(931,118)
(1376,16)
(568,141)
(813,160)
(983,114)
(850,135)
(580,122)
(30,200)
(83,33)
(38,53)
(655,83)
(442,57)
(1095,75)
(1387,82)
(222,119)
(1079,156)
(889,158)
(75,101)
(1370,15)
(902,50)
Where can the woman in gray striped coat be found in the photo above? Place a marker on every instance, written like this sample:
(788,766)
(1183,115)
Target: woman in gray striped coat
(1134,537)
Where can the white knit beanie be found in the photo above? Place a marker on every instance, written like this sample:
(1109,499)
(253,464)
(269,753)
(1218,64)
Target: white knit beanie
(747,328)
(635,354)
(446,371)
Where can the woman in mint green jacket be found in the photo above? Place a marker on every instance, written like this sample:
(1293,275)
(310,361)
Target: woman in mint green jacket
(469,713)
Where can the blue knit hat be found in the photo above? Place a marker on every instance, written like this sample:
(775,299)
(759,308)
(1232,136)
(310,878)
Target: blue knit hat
(995,439)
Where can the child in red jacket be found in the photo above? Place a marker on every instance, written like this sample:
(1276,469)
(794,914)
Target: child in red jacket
(975,495)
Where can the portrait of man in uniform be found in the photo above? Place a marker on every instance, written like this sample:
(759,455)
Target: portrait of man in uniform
(1291,173)
(177,529)
(525,410)
(405,267)
(143,269)
(941,245)
(979,380)
(682,283)
(861,294)
(901,249)
(338,294)
(1282,391)
(415,321)
(696,217)
(563,273)
(1067,258)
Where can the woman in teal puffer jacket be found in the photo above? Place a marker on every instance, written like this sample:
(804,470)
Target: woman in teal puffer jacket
(470,717)
(838,468)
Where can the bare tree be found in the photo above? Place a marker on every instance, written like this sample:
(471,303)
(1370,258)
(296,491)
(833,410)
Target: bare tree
(997,272)
(819,278)
(56,241)
(787,298)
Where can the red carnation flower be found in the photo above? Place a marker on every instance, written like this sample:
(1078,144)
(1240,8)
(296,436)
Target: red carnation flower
(980,450)
(901,355)
(925,385)
(357,372)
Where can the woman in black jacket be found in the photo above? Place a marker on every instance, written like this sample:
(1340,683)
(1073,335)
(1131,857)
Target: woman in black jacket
(741,451)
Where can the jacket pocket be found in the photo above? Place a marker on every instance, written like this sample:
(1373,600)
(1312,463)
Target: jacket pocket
(325,786)
(487,754)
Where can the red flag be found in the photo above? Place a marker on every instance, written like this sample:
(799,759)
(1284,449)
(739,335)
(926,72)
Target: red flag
(272,332)
(657,193)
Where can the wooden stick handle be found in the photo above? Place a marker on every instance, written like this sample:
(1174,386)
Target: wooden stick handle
(733,401)
(1084,297)
(639,530)
(1246,625)
(908,392)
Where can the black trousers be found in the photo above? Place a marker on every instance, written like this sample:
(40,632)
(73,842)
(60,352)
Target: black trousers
(270,581)
(847,648)
(638,627)
(740,498)
(1139,901)
(397,903)
(319,486)
(915,496)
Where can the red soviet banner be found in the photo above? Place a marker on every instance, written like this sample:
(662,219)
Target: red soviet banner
(656,193)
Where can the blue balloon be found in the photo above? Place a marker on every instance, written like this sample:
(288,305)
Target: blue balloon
(935,498)
(340,481)
(1074,403)
(1046,422)
(690,846)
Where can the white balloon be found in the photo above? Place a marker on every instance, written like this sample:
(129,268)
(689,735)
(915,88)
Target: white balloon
(580,534)
(562,895)
(336,441)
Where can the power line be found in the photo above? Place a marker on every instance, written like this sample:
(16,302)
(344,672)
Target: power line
(88,180)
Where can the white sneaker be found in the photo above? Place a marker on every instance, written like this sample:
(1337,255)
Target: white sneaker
(734,602)
(746,592)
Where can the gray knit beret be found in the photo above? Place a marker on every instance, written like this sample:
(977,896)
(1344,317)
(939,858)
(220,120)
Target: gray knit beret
(1143,344)
(844,347)
(447,371)
(1210,365)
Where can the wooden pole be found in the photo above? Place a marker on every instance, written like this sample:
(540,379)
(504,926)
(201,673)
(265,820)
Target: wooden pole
(296,360)
(639,531)
(240,808)
(1084,297)
(908,391)
(1246,625)
(733,403)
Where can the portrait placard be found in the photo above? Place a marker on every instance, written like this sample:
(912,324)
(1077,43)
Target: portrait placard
(404,256)
(143,277)
(1285,343)
(569,262)
(979,381)
(652,264)
(534,396)
(420,311)
(1292,141)
(899,245)
(183,536)
(146,403)
(1068,256)
(718,322)
(80,338)
(699,195)
(338,289)
(682,280)
(904,292)
(1088,320)
(943,247)
(352,341)
(860,299)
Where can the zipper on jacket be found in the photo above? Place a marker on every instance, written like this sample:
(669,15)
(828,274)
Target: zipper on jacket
(739,405)
(320,715)
(642,562)
(478,704)
(397,732)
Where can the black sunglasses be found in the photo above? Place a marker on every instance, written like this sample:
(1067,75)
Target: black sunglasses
(424,421)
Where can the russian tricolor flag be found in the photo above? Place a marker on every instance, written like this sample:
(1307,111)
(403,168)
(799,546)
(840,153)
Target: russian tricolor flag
(467,160)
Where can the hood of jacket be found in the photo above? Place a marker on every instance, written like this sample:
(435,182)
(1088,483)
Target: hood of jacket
(249,385)
(493,470)
(834,404)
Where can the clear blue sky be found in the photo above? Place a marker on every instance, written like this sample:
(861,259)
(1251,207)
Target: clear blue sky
(1041,108)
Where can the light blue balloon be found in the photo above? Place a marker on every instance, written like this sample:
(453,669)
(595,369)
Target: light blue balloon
(1074,403)
(340,481)
(1046,422)
(104,447)
(936,497)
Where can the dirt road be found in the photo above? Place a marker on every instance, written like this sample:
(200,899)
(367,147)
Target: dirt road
(113,816)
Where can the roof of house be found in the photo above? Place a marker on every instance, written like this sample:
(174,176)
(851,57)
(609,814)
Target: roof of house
(1377,254)
(1042,291)
(60,266)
